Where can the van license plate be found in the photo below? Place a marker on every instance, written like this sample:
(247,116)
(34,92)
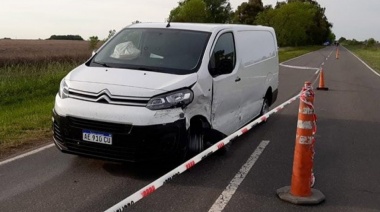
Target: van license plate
(97,137)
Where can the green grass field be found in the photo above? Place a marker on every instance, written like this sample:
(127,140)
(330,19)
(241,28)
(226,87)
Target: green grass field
(27,98)
(369,55)
(288,53)
(26,101)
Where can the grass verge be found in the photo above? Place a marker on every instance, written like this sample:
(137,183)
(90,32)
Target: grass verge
(288,53)
(370,55)
(26,100)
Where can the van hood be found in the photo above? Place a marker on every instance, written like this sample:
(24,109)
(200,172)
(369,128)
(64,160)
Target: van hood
(126,82)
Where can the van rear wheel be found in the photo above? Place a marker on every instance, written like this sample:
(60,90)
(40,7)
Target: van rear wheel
(265,107)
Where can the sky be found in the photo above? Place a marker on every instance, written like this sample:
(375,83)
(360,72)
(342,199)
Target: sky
(34,19)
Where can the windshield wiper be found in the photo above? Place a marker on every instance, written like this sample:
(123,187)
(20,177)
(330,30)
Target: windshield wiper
(102,64)
(145,69)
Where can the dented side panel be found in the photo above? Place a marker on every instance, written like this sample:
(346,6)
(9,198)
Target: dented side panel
(226,100)
(201,105)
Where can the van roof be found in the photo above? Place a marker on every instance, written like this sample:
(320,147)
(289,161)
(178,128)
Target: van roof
(199,26)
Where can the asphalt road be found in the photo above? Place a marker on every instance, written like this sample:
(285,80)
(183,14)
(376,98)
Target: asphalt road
(347,160)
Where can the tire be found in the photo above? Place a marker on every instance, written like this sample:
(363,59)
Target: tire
(196,141)
(265,107)
(212,137)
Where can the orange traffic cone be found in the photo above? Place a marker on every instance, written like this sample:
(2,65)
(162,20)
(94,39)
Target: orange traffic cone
(300,191)
(322,81)
(337,53)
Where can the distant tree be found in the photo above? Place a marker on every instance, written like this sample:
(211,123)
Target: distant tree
(321,27)
(246,13)
(290,22)
(320,30)
(65,37)
(371,42)
(206,11)
(353,42)
(218,11)
(279,4)
(189,11)
(111,33)
(136,22)
(297,22)
(342,39)
(267,17)
(332,37)
(268,7)
(94,40)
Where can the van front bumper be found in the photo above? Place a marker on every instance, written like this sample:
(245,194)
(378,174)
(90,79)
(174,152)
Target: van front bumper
(129,143)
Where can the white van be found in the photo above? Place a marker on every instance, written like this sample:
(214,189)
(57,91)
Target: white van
(158,90)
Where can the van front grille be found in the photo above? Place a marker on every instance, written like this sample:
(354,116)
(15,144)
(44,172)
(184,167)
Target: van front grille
(106,97)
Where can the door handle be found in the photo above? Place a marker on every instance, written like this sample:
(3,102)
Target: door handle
(237,79)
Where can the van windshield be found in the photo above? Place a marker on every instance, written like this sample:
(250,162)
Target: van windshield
(160,50)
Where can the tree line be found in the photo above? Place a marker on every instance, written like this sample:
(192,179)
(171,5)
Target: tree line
(296,22)
(371,42)
(65,37)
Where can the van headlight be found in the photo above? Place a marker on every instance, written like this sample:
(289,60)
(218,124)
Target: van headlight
(180,98)
(63,89)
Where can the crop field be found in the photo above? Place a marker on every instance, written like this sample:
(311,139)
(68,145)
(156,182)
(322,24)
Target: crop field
(30,74)
(35,52)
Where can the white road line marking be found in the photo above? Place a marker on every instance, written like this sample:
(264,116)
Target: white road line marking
(26,154)
(227,194)
(330,53)
(303,67)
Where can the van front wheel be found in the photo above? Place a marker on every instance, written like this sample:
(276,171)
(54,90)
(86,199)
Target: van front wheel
(195,143)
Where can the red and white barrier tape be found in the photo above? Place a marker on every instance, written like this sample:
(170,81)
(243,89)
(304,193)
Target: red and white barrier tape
(191,162)
(307,91)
